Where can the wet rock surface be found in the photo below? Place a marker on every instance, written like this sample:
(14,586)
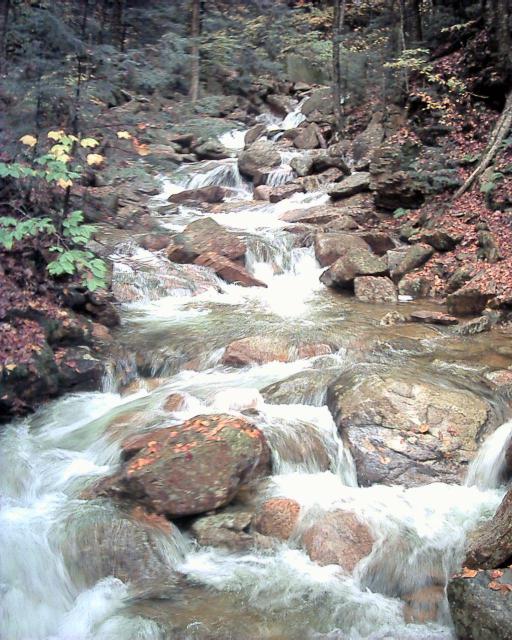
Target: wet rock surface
(346,269)
(205,236)
(338,537)
(403,431)
(277,517)
(189,468)
(480,605)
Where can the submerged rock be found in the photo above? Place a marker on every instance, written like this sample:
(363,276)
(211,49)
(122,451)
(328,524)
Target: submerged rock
(189,468)
(263,349)
(338,537)
(404,431)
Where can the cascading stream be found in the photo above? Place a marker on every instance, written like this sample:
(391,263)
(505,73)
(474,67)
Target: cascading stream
(60,550)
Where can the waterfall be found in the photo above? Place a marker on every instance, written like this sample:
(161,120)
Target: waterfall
(486,470)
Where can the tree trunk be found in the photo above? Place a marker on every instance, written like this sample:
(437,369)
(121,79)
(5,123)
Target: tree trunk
(195,32)
(502,31)
(337,30)
(499,133)
(416,25)
(3,33)
(119,23)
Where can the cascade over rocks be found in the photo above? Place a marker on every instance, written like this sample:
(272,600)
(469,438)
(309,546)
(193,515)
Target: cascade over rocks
(228,270)
(188,468)
(259,156)
(338,537)
(204,236)
(403,431)
(359,262)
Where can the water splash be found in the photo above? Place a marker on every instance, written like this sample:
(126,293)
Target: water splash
(486,470)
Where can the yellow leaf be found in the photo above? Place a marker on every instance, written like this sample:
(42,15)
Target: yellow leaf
(58,150)
(124,135)
(64,183)
(73,138)
(55,135)
(28,140)
(65,158)
(89,143)
(10,367)
(94,159)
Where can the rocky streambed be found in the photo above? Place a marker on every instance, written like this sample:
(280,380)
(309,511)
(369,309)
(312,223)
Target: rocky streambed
(288,444)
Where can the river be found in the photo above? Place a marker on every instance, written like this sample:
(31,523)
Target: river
(55,545)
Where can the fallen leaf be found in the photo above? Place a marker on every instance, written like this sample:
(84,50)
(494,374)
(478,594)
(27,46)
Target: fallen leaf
(55,135)
(28,140)
(124,135)
(496,574)
(94,159)
(468,573)
(89,143)
(424,428)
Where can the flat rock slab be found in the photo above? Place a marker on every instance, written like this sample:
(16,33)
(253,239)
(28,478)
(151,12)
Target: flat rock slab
(228,270)
(204,236)
(433,317)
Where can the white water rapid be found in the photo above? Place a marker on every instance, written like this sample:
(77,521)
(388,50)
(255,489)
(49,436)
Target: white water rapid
(58,550)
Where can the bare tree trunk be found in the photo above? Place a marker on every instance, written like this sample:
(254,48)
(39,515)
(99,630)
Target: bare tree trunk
(337,31)
(502,30)
(416,25)
(3,33)
(119,26)
(195,32)
(499,133)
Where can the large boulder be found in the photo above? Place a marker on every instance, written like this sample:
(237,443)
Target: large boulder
(375,289)
(338,537)
(203,236)
(259,156)
(228,270)
(350,186)
(366,142)
(189,468)
(472,298)
(263,349)
(308,138)
(393,186)
(254,133)
(319,101)
(416,256)
(490,546)
(408,431)
(211,150)
(211,195)
(320,214)
(358,262)
(331,246)
(481,605)
(277,517)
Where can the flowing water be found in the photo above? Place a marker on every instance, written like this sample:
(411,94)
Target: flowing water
(58,551)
